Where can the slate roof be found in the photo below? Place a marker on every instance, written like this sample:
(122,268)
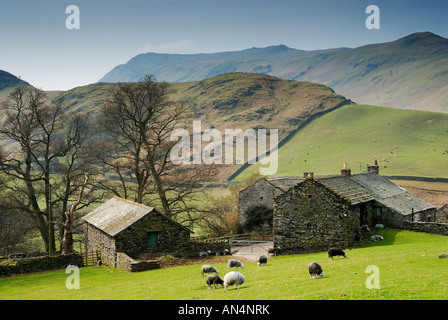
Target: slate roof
(117,214)
(348,188)
(390,195)
(361,188)
(284,183)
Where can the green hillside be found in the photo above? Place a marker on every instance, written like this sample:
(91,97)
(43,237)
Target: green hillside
(412,143)
(409,73)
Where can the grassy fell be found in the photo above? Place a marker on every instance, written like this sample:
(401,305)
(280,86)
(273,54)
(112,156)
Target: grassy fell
(404,142)
(408,263)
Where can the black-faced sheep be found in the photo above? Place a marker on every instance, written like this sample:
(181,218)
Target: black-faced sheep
(232,278)
(234,263)
(262,260)
(336,252)
(214,280)
(315,270)
(205,253)
(376,238)
(208,269)
(222,252)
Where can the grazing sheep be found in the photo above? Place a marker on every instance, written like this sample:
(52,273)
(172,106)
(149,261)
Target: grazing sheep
(232,278)
(336,252)
(208,269)
(315,270)
(214,280)
(205,253)
(262,260)
(376,238)
(222,252)
(234,263)
(379,226)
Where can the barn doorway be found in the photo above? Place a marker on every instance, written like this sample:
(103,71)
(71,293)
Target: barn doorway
(152,239)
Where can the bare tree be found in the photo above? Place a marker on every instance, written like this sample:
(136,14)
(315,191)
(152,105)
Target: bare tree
(40,136)
(139,119)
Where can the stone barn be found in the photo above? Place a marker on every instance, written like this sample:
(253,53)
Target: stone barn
(121,225)
(256,203)
(315,213)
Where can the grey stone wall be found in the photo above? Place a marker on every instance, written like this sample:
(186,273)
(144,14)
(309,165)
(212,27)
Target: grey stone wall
(428,227)
(392,219)
(127,263)
(36,264)
(132,240)
(262,193)
(310,218)
(95,239)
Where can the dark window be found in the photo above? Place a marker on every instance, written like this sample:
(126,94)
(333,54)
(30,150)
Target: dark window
(378,211)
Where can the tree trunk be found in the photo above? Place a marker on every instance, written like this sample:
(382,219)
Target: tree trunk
(67,238)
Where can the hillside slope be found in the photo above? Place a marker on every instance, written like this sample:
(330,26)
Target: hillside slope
(411,72)
(233,101)
(8,82)
(404,142)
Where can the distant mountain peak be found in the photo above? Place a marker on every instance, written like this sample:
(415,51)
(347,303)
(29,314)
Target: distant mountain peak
(422,38)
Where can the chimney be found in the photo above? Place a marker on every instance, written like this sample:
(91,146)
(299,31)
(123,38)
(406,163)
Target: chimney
(345,172)
(308,175)
(374,169)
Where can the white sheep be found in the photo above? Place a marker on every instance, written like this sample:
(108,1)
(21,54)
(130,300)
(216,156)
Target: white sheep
(232,278)
(208,269)
(376,238)
(205,253)
(379,226)
(222,252)
(262,260)
(234,263)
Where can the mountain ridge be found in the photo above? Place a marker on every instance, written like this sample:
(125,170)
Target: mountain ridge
(410,72)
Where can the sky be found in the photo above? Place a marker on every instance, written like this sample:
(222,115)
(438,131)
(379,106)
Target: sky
(37,46)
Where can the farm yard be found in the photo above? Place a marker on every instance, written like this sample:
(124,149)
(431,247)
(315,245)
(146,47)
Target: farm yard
(408,264)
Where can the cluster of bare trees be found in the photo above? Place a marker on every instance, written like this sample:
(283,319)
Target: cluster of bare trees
(54,162)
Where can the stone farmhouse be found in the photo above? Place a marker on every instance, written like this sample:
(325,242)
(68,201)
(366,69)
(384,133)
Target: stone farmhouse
(123,226)
(314,213)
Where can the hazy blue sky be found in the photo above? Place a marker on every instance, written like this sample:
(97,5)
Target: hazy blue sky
(36,45)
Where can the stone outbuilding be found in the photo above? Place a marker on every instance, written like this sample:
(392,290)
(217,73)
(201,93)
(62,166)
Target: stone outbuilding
(121,225)
(315,213)
(256,203)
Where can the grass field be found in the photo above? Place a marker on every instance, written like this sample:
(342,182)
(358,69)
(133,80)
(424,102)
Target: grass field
(408,264)
(404,142)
